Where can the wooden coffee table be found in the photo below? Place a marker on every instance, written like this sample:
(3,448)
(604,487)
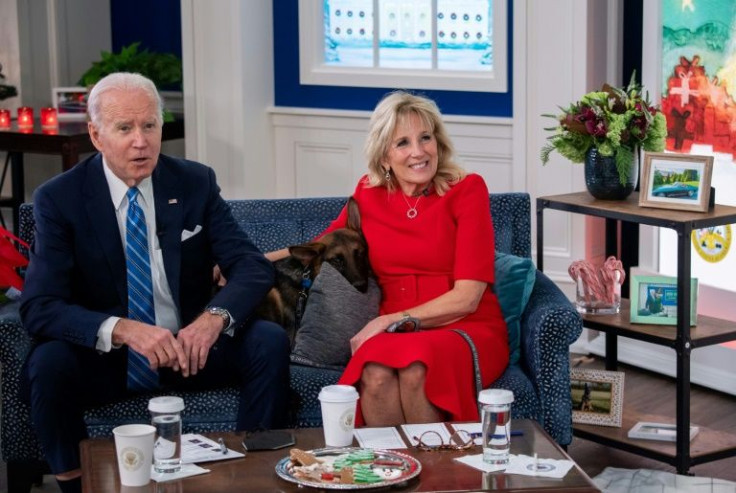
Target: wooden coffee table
(256,471)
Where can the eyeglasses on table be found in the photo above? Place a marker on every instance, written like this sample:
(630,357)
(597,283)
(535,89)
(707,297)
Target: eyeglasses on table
(431,440)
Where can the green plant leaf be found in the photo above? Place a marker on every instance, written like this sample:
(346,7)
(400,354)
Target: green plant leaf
(164,69)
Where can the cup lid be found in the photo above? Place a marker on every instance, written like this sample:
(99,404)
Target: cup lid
(166,404)
(495,396)
(338,393)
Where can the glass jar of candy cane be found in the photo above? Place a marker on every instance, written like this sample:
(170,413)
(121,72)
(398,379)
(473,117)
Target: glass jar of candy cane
(598,290)
(596,303)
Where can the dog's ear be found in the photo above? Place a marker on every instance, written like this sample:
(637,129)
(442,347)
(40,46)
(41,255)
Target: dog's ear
(353,215)
(307,252)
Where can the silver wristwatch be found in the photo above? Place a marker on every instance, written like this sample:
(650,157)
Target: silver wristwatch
(220,312)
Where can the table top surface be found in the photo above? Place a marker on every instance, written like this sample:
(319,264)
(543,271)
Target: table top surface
(256,472)
(46,140)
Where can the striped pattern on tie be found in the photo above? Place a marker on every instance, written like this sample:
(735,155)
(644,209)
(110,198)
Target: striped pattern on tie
(140,291)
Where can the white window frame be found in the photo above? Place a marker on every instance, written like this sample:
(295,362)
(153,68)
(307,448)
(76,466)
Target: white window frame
(313,71)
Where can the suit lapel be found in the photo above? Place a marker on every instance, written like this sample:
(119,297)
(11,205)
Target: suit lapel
(167,197)
(104,223)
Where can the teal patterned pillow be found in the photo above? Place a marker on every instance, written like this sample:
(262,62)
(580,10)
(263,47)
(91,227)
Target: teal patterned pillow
(514,283)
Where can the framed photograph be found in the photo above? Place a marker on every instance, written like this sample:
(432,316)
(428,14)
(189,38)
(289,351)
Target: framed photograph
(70,103)
(597,396)
(654,300)
(676,181)
(665,432)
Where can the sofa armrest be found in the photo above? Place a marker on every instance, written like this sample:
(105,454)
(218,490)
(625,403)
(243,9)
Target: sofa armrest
(14,339)
(549,325)
(17,437)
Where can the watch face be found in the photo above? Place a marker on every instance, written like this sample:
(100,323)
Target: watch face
(220,312)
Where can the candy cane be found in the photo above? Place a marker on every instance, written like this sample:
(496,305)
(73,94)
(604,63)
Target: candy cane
(600,285)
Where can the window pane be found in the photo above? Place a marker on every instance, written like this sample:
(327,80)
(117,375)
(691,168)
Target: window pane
(464,34)
(406,34)
(349,33)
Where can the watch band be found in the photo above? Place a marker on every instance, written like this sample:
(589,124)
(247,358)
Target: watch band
(220,312)
(407,323)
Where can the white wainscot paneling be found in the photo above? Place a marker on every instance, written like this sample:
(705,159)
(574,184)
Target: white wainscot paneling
(321,169)
(713,366)
(485,147)
(320,152)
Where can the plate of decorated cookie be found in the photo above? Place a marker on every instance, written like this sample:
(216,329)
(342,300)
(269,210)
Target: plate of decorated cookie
(347,468)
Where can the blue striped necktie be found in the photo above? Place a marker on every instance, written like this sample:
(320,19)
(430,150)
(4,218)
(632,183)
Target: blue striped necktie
(140,291)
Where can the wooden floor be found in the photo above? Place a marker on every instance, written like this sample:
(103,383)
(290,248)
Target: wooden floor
(656,394)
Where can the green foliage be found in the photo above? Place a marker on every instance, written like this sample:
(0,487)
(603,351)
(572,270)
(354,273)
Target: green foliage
(616,121)
(164,69)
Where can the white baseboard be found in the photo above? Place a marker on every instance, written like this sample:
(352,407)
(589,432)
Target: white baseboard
(713,367)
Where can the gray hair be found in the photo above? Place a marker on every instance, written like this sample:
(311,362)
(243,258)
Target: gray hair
(392,110)
(124,81)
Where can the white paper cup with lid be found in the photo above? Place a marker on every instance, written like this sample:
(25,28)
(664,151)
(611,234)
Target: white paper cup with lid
(339,403)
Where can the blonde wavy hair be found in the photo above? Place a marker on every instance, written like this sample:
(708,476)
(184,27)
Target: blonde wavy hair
(393,109)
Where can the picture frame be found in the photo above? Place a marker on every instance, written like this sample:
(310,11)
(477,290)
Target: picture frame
(654,300)
(665,432)
(70,103)
(675,181)
(597,396)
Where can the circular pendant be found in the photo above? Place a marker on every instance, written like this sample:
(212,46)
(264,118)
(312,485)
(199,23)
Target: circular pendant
(411,213)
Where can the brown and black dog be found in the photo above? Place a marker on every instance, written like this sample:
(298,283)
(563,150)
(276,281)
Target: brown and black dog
(345,249)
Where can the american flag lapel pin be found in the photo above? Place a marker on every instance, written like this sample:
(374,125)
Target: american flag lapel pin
(172,201)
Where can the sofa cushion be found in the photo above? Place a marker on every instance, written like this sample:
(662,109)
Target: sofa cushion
(334,313)
(514,283)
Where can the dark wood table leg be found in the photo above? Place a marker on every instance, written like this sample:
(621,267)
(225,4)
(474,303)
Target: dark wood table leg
(17,186)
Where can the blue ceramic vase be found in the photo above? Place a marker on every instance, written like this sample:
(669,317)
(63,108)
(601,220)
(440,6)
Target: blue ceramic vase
(601,176)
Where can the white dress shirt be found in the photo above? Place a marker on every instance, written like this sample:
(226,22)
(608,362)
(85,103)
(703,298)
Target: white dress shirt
(167,315)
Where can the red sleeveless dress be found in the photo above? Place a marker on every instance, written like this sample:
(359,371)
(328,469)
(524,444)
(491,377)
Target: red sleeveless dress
(416,260)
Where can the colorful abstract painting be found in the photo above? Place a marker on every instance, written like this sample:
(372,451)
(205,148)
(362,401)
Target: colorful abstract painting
(699,74)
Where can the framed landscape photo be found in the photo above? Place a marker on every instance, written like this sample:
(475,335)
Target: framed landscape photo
(597,396)
(676,181)
(70,103)
(654,300)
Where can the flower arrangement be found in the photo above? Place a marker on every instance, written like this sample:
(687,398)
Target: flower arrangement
(616,121)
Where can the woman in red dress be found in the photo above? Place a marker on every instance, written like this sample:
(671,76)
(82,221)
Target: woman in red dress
(430,242)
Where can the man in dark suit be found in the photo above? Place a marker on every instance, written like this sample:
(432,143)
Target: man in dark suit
(79,298)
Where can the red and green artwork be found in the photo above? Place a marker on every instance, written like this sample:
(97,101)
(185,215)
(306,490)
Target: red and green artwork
(699,74)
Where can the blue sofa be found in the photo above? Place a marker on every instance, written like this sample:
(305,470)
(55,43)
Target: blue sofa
(540,381)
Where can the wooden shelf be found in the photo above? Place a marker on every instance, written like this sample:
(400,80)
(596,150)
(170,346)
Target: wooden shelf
(707,445)
(629,210)
(706,332)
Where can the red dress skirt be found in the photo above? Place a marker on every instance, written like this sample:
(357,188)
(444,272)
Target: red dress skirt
(416,260)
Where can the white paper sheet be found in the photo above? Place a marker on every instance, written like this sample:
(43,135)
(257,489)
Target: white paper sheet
(538,466)
(197,448)
(475,430)
(186,471)
(379,438)
(412,431)
(522,464)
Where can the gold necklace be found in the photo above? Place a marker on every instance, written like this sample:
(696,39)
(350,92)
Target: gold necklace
(412,212)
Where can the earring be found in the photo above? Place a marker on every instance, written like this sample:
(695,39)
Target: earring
(387,176)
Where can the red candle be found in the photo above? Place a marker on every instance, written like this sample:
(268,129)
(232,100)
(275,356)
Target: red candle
(48,118)
(25,117)
(4,119)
